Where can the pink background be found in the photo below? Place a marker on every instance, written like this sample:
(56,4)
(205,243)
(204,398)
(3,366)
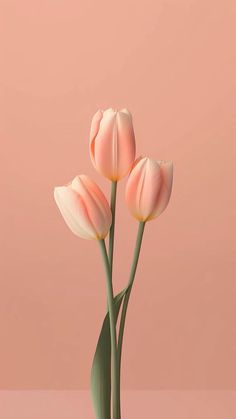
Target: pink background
(173,64)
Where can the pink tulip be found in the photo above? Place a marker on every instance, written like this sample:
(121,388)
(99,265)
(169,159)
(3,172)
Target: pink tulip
(112,143)
(84,208)
(148,188)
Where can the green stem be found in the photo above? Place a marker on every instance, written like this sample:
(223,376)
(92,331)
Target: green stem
(112,230)
(111,252)
(112,319)
(127,295)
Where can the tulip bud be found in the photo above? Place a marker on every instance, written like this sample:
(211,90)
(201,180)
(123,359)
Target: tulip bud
(84,208)
(112,143)
(148,188)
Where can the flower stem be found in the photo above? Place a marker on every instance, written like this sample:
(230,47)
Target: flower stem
(111,252)
(112,319)
(112,230)
(127,295)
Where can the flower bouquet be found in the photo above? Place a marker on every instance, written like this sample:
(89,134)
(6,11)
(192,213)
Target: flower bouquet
(88,214)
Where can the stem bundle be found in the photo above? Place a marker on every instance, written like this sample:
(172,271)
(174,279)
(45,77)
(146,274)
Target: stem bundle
(116,344)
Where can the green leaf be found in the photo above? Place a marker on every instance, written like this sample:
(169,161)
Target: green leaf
(101,368)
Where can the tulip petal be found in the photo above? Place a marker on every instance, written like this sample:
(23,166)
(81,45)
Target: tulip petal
(112,143)
(133,188)
(95,124)
(126,111)
(166,188)
(98,196)
(105,146)
(73,211)
(148,188)
(97,206)
(126,143)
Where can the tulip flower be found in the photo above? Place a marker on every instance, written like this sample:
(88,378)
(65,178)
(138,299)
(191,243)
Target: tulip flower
(87,213)
(112,143)
(84,208)
(148,188)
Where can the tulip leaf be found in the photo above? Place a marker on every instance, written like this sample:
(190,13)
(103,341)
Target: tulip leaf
(101,368)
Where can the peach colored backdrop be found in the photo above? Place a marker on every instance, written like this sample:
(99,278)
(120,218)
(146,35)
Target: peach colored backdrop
(173,64)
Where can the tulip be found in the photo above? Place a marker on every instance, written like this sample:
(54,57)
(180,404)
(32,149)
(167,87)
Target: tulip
(84,208)
(112,143)
(148,188)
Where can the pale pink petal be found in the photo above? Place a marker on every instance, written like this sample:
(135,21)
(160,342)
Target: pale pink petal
(148,188)
(97,206)
(132,192)
(125,144)
(112,147)
(105,145)
(166,187)
(127,112)
(73,212)
(99,197)
(95,124)
(151,185)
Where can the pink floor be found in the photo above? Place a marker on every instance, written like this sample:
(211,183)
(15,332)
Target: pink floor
(136,405)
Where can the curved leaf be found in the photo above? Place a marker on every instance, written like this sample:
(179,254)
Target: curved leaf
(101,368)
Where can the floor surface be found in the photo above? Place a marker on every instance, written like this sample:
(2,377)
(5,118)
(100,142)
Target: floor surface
(37,404)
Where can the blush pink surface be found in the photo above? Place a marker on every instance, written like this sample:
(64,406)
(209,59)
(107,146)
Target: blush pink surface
(173,65)
(137,404)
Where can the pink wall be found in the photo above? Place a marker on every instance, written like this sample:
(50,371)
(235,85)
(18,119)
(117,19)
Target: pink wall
(173,64)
